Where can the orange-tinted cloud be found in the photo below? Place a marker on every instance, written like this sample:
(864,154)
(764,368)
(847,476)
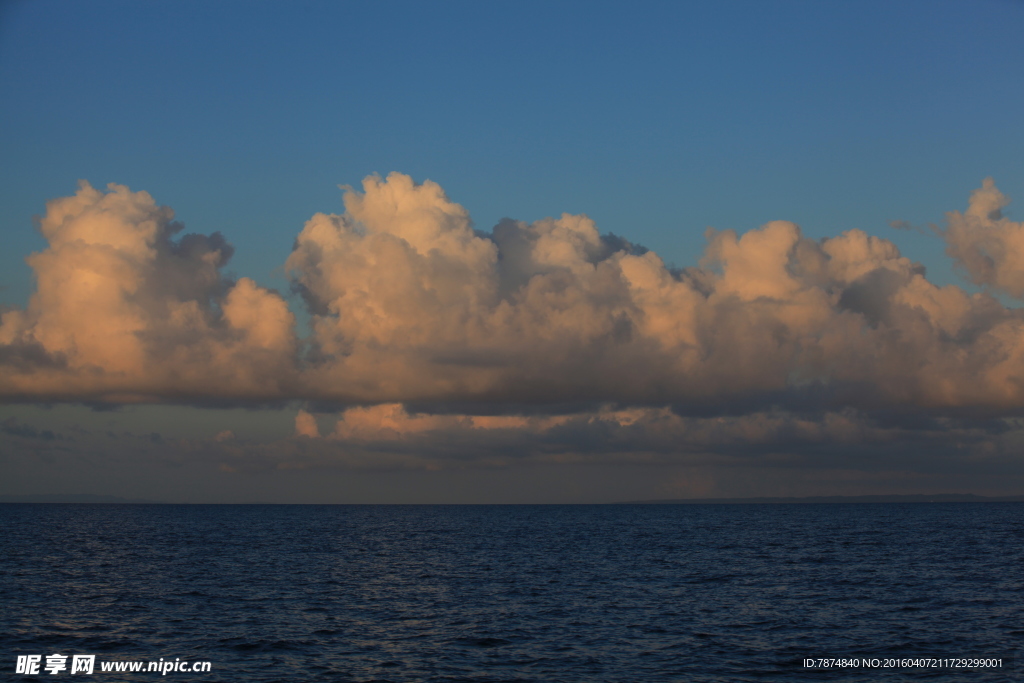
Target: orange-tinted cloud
(410,305)
(986,244)
(305,425)
(124,311)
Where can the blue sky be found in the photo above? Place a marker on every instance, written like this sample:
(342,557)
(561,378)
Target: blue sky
(655,119)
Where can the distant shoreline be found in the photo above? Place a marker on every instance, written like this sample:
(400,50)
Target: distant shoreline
(817,500)
(762,500)
(77,498)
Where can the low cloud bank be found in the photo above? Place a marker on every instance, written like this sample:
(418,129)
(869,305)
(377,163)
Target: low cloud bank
(410,305)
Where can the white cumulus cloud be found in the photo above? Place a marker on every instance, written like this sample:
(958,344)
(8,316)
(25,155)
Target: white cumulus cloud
(411,305)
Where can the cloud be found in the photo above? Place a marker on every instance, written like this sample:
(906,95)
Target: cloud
(391,422)
(727,450)
(628,431)
(410,305)
(305,425)
(124,311)
(986,244)
(13,427)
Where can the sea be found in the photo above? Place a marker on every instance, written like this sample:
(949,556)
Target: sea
(489,593)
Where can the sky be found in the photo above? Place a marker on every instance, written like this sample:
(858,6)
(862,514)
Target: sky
(510,252)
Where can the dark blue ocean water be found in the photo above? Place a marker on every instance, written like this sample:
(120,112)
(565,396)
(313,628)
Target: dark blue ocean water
(515,593)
